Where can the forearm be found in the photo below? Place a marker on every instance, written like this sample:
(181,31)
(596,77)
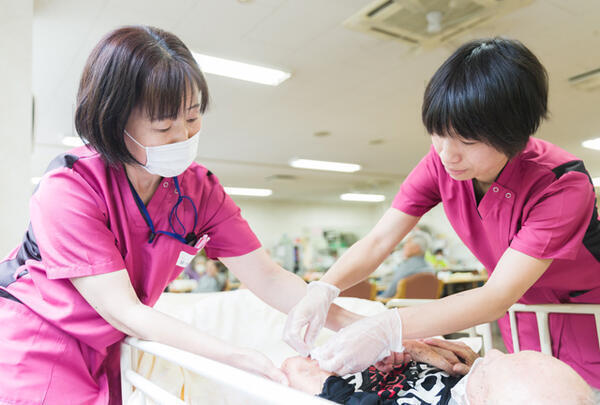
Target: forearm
(147,323)
(338,318)
(514,274)
(283,289)
(453,313)
(123,310)
(278,287)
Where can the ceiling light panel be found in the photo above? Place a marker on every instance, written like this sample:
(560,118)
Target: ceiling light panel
(250,192)
(362,197)
(591,144)
(324,165)
(240,70)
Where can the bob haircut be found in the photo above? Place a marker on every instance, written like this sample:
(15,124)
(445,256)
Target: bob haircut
(490,90)
(133,66)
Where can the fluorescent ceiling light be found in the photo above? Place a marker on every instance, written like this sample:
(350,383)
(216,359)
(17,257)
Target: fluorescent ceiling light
(253,192)
(35,180)
(362,197)
(240,70)
(323,165)
(72,141)
(591,144)
(596,181)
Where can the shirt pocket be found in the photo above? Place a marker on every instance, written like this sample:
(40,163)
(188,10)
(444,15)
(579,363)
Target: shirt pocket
(185,256)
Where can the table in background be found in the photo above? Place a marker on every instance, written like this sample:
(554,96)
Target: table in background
(462,280)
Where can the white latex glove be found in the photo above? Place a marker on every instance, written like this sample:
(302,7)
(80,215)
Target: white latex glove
(310,311)
(361,344)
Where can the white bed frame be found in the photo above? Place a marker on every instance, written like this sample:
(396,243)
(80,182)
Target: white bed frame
(270,392)
(541,313)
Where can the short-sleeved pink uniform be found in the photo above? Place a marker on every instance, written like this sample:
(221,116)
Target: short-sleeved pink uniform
(54,347)
(542,204)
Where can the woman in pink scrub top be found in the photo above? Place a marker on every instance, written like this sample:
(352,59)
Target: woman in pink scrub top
(113,222)
(524,207)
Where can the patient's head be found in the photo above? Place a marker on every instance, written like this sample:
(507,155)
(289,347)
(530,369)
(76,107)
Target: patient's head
(526,377)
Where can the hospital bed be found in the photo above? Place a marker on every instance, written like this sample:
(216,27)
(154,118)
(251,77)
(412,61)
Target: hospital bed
(152,373)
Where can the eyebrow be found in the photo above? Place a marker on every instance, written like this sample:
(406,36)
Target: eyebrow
(194,106)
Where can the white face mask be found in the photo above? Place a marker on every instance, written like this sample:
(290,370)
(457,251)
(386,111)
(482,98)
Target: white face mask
(172,159)
(459,391)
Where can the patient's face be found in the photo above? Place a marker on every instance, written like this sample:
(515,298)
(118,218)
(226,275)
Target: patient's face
(304,374)
(526,377)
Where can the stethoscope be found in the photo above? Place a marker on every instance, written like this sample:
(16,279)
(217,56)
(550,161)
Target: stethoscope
(183,237)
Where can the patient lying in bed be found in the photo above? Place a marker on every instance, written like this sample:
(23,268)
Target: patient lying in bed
(527,377)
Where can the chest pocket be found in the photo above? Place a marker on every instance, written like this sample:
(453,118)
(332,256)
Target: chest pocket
(496,211)
(155,265)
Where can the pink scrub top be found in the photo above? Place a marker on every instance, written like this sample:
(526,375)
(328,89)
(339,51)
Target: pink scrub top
(54,347)
(542,204)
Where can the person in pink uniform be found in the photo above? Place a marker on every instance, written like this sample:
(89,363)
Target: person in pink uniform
(524,207)
(113,222)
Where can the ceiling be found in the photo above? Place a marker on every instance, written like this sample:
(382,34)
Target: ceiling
(357,87)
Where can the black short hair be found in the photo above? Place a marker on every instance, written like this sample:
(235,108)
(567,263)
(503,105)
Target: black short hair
(133,66)
(490,90)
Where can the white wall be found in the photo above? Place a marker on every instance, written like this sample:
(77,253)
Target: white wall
(16,18)
(270,219)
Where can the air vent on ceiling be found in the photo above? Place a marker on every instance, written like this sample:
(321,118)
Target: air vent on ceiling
(427,22)
(586,81)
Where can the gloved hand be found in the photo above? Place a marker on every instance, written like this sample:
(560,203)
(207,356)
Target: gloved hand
(310,311)
(361,344)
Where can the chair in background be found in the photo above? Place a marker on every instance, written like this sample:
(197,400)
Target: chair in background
(420,285)
(365,289)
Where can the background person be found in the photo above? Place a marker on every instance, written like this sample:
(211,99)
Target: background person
(213,278)
(414,248)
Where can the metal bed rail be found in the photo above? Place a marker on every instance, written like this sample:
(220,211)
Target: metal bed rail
(541,313)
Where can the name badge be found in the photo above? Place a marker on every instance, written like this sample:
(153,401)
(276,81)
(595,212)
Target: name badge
(184,259)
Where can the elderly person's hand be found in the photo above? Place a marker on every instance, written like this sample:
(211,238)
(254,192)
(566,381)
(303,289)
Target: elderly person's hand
(455,358)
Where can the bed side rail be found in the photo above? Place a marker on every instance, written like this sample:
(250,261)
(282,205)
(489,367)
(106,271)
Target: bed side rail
(269,392)
(541,313)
